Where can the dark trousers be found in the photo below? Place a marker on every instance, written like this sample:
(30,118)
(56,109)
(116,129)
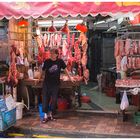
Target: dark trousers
(50,95)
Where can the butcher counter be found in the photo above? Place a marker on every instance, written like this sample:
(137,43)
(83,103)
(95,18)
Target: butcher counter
(128,85)
(30,90)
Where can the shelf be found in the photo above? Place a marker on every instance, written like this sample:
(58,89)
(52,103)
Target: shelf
(130,28)
(66,38)
(21,39)
(43,32)
(134,55)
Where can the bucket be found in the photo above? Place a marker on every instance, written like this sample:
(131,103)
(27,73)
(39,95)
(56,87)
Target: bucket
(62,104)
(19,110)
(85,99)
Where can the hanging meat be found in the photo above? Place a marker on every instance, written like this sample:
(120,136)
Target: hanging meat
(39,40)
(135,45)
(79,69)
(122,48)
(52,28)
(84,48)
(73,40)
(129,62)
(118,63)
(55,40)
(46,40)
(83,41)
(84,60)
(82,38)
(127,46)
(52,40)
(65,29)
(41,51)
(139,47)
(134,63)
(117,48)
(77,52)
(64,48)
(70,62)
(59,39)
(68,38)
(137,63)
(14,50)
(13,73)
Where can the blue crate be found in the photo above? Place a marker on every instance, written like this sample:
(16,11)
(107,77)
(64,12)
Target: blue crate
(7,119)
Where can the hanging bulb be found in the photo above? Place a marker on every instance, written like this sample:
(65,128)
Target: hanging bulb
(23,23)
(65,28)
(52,28)
(81,27)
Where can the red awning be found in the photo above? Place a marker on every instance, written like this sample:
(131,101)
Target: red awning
(45,9)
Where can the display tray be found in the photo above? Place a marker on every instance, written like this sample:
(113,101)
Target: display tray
(67,83)
(131,83)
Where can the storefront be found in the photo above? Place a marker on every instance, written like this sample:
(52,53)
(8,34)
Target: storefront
(31,29)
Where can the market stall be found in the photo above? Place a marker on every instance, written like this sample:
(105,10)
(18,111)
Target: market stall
(29,46)
(127,52)
(73,50)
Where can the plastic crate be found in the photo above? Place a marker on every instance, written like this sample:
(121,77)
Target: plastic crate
(7,119)
(136,117)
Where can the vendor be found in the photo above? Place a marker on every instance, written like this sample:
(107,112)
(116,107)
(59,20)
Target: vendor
(52,68)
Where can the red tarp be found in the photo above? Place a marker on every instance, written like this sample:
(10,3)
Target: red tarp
(45,9)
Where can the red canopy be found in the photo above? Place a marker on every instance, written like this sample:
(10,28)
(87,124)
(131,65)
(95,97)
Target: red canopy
(45,9)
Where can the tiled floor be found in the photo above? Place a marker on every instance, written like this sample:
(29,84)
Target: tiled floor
(101,100)
(105,125)
(84,123)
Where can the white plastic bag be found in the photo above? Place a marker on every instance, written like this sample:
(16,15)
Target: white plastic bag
(30,74)
(10,103)
(124,102)
(135,91)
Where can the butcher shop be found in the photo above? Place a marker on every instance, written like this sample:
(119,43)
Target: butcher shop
(99,45)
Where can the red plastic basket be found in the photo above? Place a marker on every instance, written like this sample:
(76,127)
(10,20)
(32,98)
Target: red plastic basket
(85,99)
(111,92)
(62,104)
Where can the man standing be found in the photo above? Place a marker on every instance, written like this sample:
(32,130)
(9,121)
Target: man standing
(52,68)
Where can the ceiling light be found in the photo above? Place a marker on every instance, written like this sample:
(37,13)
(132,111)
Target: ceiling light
(58,23)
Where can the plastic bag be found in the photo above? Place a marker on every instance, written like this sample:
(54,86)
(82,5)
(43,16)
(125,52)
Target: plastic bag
(124,102)
(10,103)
